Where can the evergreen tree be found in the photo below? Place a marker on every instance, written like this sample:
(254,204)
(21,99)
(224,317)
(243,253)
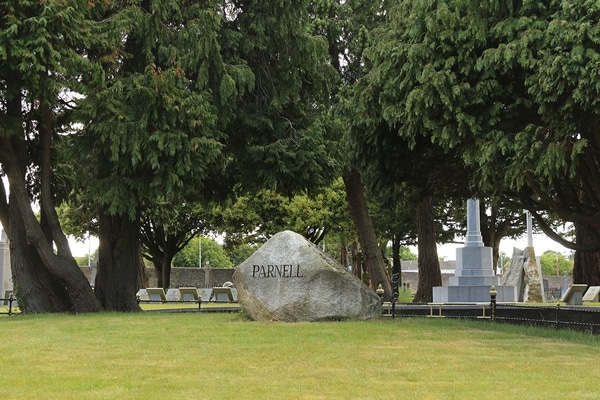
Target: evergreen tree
(192,94)
(512,86)
(41,63)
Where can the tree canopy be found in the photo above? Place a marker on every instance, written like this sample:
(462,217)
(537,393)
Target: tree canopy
(41,62)
(511,85)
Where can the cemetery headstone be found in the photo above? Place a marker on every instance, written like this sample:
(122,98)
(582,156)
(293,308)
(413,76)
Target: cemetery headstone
(205,293)
(156,294)
(525,273)
(173,295)
(142,295)
(291,279)
(222,295)
(592,294)
(534,285)
(514,275)
(574,294)
(188,294)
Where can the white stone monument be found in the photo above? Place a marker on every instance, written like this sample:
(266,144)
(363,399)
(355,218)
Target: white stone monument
(474,275)
(5,271)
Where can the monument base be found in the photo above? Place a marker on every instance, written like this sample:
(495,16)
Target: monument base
(473,294)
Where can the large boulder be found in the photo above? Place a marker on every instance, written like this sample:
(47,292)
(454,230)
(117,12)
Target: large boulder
(291,279)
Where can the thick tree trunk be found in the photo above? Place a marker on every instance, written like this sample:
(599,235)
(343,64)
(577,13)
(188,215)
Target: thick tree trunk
(118,278)
(4,219)
(61,267)
(366,234)
(158,271)
(142,271)
(357,261)
(36,290)
(587,264)
(428,264)
(162,267)
(166,270)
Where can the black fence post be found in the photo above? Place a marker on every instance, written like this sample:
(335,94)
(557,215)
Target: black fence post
(395,294)
(493,294)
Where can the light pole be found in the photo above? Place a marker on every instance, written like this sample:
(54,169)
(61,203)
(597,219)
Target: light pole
(199,250)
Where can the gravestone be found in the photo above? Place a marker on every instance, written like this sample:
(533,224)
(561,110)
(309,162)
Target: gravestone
(474,274)
(142,295)
(5,271)
(189,294)
(592,294)
(534,285)
(291,279)
(173,295)
(156,294)
(205,293)
(514,275)
(525,273)
(222,295)
(574,294)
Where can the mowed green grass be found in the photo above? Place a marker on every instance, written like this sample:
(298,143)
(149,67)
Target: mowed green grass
(224,356)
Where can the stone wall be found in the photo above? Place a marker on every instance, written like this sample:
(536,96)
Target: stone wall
(182,277)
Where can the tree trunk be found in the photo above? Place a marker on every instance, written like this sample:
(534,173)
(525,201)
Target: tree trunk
(366,234)
(36,290)
(343,251)
(118,278)
(586,268)
(357,261)
(428,264)
(166,270)
(4,219)
(162,267)
(61,267)
(492,232)
(142,271)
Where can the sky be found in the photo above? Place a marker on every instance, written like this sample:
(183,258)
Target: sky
(541,243)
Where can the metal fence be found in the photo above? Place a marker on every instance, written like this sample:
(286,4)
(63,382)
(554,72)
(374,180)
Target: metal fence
(578,318)
(12,304)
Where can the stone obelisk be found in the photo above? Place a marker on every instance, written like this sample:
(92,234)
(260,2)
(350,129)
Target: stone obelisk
(474,274)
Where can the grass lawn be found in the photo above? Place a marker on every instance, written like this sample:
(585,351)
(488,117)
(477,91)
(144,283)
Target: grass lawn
(223,356)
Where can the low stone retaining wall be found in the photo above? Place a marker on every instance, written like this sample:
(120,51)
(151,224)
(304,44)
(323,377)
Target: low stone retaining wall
(182,277)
